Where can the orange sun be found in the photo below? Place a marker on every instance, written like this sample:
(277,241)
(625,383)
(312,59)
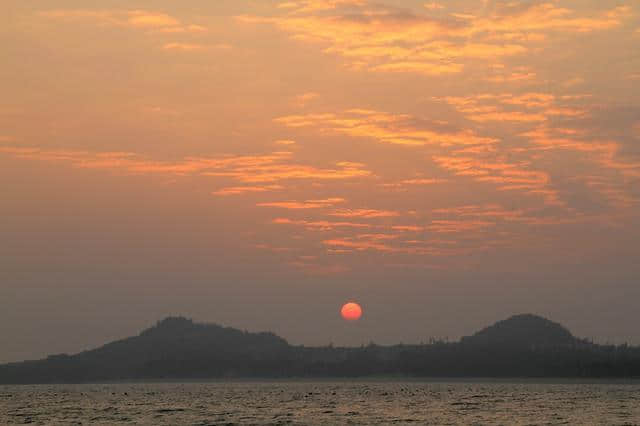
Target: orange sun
(351,311)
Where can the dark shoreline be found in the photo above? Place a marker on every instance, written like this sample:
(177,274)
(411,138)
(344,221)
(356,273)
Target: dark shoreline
(343,380)
(524,347)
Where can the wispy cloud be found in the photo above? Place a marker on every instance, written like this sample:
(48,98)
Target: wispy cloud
(454,226)
(240,190)
(508,176)
(387,39)
(303,99)
(320,225)
(398,129)
(364,213)
(183,46)
(489,143)
(135,18)
(507,107)
(303,205)
(264,168)
(149,21)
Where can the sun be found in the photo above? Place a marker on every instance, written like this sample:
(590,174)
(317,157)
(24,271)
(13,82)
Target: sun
(351,311)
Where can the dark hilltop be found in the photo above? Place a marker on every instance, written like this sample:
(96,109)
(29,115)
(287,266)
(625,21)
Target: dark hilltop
(178,348)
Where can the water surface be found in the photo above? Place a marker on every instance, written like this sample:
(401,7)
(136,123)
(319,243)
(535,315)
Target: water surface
(311,402)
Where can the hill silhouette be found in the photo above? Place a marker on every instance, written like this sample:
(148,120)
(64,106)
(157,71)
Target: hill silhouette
(174,347)
(524,330)
(178,348)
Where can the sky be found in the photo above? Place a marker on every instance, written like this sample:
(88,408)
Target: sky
(258,163)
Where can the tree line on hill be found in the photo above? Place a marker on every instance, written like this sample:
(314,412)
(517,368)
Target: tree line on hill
(178,348)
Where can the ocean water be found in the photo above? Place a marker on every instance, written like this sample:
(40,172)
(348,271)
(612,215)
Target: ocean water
(322,402)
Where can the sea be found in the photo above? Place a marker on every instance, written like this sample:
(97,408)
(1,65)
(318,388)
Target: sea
(366,402)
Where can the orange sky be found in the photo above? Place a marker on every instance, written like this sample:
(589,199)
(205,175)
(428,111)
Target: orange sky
(230,158)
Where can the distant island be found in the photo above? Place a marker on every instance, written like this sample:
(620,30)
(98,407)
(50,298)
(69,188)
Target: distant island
(178,348)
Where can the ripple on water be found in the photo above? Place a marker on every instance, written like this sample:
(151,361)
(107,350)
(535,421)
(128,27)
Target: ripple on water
(321,403)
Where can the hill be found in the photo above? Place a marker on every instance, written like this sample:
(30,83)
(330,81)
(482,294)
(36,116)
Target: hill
(524,330)
(177,348)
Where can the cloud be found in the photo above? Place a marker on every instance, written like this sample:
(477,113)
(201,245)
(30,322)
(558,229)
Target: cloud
(142,19)
(265,168)
(195,46)
(486,210)
(540,113)
(308,6)
(183,46)
(405,184)
(455,226)
(388,244)
(605,154)
(359,244)
(434,6)
(398,129)
(240,190)
(331,225)
(383,38)
(303,205)
(464,153)
(407,228)
(572,82)
(484,159)
(273,172)
(149,21)
(320,225)
(422,181)
(419,68)
(302,100)
(519,75)
(525,108)
(507,176)
(364,213)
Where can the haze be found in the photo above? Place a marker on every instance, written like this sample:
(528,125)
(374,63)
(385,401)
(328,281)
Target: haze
(259,163)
